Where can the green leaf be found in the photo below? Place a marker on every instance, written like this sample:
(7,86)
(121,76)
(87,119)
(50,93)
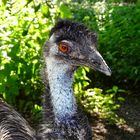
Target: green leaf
(37,7)
(65,11)
(45,10)
(121,99)
(4,2)
(115,89)
(25,32)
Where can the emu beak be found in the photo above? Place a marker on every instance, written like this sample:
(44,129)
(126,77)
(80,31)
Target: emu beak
(94,60)
(97,62)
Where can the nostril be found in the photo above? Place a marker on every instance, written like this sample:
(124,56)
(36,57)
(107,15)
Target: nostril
(95,62)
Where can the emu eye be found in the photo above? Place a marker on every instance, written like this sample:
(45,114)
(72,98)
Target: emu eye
(63,47)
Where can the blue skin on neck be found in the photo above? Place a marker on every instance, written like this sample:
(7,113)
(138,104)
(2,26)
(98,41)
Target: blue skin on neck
(60,78)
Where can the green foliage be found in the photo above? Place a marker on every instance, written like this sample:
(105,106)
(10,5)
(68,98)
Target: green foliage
(83,12)
(24,27)
(119,41)
(95,100)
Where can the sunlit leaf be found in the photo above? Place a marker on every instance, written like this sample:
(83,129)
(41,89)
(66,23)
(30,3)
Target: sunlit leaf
(65,11)
(45,10)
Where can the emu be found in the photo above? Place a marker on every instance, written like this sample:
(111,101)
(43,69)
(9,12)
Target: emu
(69,46)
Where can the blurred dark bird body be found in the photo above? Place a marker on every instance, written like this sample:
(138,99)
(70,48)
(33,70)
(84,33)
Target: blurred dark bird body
(13,126)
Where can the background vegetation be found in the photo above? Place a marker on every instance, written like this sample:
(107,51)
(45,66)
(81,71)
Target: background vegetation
(24,27)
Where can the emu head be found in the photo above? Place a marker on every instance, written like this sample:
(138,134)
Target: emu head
(73,44)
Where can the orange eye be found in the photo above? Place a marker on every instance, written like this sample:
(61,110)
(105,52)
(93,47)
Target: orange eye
(63,47)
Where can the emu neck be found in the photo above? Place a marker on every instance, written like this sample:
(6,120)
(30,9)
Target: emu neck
(60,77)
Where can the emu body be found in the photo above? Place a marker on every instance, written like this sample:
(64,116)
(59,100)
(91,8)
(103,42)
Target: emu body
(69,46)
(13,126)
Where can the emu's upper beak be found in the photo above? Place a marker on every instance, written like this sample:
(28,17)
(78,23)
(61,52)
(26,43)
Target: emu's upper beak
(96,62)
